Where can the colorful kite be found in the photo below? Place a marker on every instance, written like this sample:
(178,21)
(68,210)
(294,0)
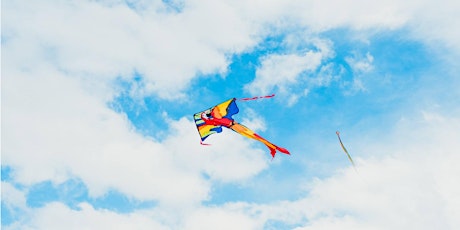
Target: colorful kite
(210,121)
(344,149)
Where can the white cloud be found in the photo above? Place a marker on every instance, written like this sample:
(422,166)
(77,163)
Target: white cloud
(110,41)
(61,57)
(411,183)
(429,22)
(61,60)
(71,133)
(13,199)
(220,218)
(230,157)
(280,71)
(59,216)
(360,64)
(435,23)
(432,22)
(254,121)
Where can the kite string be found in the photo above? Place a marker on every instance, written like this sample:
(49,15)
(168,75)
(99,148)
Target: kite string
(255,98)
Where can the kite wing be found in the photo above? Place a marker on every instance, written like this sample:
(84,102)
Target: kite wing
(225,109)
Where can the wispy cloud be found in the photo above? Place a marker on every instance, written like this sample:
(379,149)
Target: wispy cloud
(281,72)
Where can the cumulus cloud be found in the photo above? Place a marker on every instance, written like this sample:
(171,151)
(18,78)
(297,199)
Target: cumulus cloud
(415,181)
(109,41)
(59,216)
(221,218)
(69,133)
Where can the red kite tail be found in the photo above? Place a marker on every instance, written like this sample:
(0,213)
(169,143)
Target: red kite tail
(255,98)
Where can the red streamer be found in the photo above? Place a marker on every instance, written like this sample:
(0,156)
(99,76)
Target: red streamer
(255,98)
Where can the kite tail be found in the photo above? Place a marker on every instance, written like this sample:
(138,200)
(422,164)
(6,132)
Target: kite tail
(201,142)
(345,150)
(277,148)
(255,98)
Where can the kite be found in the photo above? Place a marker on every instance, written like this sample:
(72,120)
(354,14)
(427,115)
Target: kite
(344,149)
(212,120)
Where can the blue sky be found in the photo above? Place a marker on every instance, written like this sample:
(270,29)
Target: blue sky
(98,98)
